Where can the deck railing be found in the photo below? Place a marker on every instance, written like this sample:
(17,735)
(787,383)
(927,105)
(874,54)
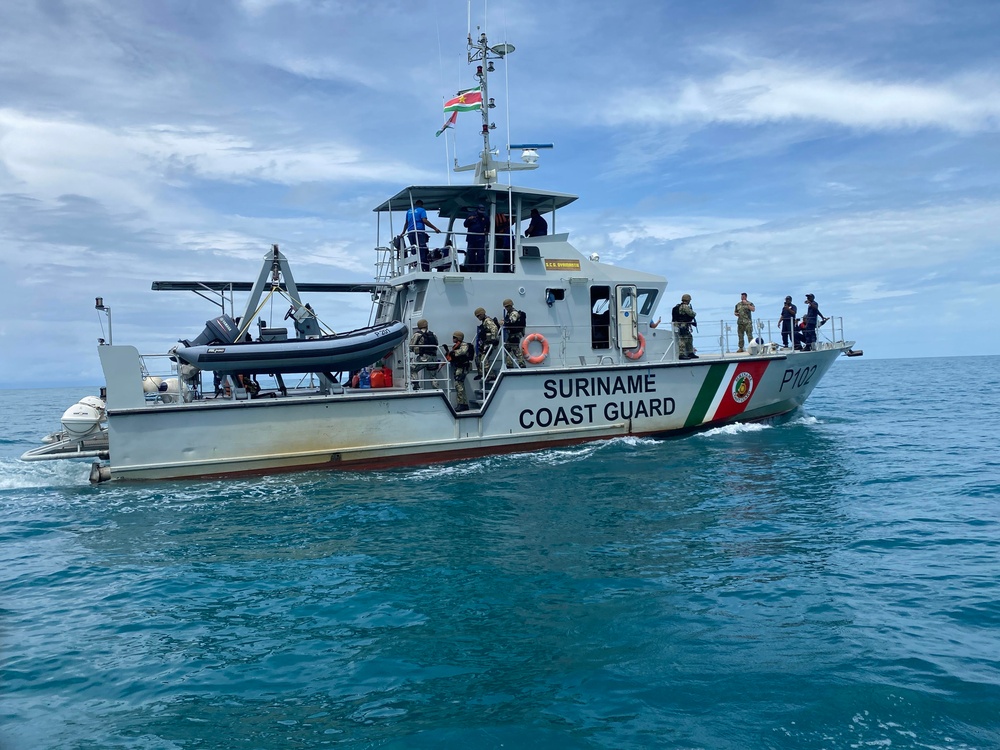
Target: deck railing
(567,347)
(401,256)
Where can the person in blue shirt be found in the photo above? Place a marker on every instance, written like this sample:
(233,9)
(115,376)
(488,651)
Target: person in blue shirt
(416,220)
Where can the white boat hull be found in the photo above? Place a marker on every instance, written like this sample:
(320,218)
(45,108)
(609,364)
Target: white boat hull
(528,409)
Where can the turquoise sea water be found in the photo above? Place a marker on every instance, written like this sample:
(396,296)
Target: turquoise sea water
(832,581)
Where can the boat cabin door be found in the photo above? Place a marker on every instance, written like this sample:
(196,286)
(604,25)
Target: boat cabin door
(628,318)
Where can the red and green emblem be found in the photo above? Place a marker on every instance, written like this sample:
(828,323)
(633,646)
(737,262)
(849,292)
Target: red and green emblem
(726,391)
(742,386)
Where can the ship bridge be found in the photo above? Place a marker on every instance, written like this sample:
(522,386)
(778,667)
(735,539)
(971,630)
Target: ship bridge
(447,207)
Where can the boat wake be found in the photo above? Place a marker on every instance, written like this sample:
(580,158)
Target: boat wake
(17,475)
(739,428)
(806,420)
(559,456)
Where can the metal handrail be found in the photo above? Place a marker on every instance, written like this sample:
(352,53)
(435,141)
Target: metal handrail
(406,258)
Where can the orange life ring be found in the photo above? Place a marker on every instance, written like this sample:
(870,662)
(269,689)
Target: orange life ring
(639,350)
(536,359)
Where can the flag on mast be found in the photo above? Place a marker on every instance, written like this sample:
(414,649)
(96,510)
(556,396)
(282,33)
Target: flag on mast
(449,123)
(465,101)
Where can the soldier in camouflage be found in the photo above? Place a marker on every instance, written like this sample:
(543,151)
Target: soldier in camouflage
(513,331)
(460,357)
(487,337)
(683,318)
(423,349)
(744,319)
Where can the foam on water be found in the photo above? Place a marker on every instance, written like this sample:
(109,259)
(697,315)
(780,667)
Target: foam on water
(737,428)
(19,475)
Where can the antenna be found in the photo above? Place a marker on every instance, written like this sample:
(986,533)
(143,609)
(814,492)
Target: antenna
(486,169)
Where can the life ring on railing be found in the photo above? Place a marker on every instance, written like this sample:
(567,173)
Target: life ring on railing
(639,350)
(537,358)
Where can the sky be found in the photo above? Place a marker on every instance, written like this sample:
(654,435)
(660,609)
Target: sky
(848,149)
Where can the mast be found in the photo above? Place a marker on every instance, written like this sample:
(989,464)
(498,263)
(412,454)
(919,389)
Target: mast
(487,167)
(481,52)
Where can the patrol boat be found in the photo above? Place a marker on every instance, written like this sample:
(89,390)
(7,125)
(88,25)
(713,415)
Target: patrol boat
(593,366)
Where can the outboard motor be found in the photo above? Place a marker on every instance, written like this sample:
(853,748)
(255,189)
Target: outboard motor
(222,329)
(84,418)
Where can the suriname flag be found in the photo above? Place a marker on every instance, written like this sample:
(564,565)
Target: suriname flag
(466,101)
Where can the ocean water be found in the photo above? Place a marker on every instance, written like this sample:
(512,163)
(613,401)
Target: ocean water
(829,581)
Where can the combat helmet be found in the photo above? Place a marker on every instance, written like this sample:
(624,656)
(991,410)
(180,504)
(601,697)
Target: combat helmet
(458,335)
(508,302)
(685,298)
(479,311)
(422,323)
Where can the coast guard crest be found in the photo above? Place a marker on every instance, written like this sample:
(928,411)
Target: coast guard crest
(742,387)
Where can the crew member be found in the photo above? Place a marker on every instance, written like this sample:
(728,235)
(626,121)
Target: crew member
(460,357)
(683,319)
(812,313)
(416,219)
(423,348)
(476,225)
(744,319)
(487,337)
(788,313)
(513,332)
(537,227)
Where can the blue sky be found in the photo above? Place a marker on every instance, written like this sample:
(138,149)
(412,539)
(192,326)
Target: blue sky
(848,149)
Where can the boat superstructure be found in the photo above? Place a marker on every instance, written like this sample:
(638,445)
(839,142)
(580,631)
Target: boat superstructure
(595,365)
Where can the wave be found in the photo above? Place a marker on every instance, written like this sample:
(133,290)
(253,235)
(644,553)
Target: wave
(737,428)
(19,475)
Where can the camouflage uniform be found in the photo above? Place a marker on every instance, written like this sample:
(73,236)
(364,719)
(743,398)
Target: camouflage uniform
(513,330)
(744,320)
(487,337)
(460,357)
(424,356)
(683,316)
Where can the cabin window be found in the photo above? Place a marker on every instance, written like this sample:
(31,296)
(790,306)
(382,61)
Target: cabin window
(600,317)
(647,300)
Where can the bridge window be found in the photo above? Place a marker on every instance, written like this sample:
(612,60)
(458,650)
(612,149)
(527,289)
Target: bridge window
(600,317)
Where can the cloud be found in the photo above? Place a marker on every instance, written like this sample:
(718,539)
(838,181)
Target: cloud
(327,68)
(51,157)
(856,244)
(863,255)
(765,91)
(866,291)
(256,8)
(667,229)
